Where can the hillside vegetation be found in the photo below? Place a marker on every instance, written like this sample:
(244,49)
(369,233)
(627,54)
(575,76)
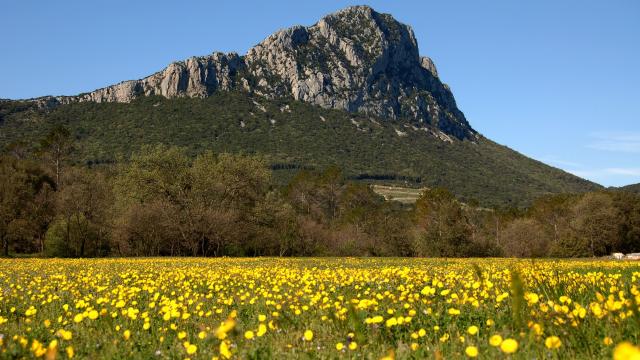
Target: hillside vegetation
(632,188)
(292,135)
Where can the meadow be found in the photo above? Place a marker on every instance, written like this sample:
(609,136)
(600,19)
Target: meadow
(222,308)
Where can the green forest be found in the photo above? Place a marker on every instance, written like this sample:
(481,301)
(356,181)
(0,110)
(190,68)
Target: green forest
(168,200)
(289,136)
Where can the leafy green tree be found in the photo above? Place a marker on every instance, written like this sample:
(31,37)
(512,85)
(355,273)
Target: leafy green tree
(442,227)
(56,148)
(82,207)
(22,185)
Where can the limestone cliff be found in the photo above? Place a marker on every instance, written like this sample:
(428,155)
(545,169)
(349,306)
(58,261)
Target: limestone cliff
(355,59)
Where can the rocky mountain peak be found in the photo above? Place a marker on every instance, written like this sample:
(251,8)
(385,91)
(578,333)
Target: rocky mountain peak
(356,59)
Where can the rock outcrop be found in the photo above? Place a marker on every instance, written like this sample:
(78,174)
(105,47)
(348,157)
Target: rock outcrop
(355,59)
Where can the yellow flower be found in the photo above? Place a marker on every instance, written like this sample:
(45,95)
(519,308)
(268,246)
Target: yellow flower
(262,318)
(225,327)
(248,335)
(93,314)
(472,330)
(414,346)
(126,334)
(509,346)
(626,351)
(552,342)
(391,322)
(78,318)
(353,345)
(471,351)
(53,344)
(339,346)
(607,341)
(69,351)
(190,348)
(495,340)
(202,335)
(308,335)
(224,350)
(182,335)
(262,329)
(64,334)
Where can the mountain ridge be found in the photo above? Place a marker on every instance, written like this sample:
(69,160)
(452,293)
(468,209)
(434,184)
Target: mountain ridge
(355,59)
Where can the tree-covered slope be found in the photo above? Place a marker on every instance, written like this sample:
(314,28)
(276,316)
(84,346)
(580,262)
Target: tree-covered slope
(293,135)
(631,188)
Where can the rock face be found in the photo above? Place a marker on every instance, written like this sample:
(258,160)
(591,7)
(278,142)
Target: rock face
(355,59)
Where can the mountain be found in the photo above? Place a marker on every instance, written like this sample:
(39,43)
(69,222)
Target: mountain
(356,60)
(631,188)
(351,90)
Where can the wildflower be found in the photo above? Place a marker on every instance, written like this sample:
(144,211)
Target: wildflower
(224,350)
(552,342)
(339,346)
(64,334)
(471,351)
(495,340)
(248,334)
(190,348)
(308,335)
(262,329)
(626,351)
(472,330)
(509,346)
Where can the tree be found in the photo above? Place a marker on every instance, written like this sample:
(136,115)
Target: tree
(82,207)
(21,184)
(595,223)
(442,227)
(525,237)
(207,202)
(56,148)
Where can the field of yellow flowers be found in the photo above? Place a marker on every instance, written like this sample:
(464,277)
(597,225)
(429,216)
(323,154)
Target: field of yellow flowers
(318,308)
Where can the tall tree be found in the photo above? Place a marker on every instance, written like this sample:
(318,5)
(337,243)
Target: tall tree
(21,182)
(56,148)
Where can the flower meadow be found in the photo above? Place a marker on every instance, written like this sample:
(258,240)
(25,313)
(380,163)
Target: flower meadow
(328,308)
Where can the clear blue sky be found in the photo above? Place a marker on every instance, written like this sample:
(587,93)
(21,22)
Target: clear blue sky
(556,80)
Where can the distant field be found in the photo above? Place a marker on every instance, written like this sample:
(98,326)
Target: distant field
(317,308)
(396,193)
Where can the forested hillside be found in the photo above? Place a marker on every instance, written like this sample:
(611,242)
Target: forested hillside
(290,136)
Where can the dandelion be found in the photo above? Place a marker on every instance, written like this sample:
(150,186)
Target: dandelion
(471,351)
(308,335)
(70,352)
(190,348)
(495,340)
(552,342)
(472,330)
(509,346)
(224,350)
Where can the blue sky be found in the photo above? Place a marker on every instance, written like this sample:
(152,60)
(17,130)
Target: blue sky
(556,80)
